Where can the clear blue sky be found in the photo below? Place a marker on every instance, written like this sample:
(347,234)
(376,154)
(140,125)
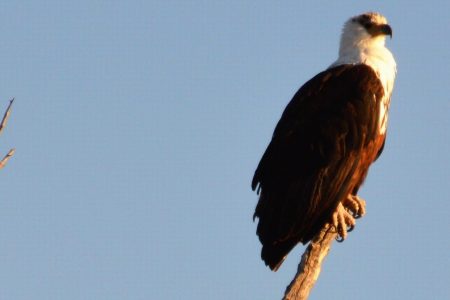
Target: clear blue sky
(138,125)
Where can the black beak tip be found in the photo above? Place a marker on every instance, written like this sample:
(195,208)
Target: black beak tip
(387,30)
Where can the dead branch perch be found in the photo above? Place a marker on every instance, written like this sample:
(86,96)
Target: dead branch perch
(309,267)
(2,126)
(6,115)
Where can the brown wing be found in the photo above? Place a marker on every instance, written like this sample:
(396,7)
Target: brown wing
(319,153)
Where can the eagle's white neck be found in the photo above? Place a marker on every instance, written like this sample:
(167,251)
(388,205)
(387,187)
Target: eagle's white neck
(358,48)
(373,53)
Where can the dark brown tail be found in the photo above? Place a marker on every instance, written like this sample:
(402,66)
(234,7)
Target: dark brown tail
(274,255)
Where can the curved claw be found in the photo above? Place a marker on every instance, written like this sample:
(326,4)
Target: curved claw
(350,228)
(339,239)
(355,205)
(355,215)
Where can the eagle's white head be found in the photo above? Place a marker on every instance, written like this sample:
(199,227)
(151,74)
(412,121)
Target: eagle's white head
(363,41)
(368,30)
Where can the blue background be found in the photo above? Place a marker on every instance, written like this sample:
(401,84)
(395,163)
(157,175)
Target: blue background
(138,126)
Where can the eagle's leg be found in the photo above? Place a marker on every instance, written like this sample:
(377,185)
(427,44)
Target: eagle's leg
(347,211)
(355,205)
(343,221)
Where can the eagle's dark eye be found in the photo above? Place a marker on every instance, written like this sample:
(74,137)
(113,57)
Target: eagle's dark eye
(368,25)
(365,21)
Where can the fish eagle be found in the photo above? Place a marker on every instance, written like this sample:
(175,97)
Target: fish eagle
(329,134)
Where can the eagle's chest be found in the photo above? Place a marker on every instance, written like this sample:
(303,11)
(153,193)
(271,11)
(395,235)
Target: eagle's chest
(383,115)
(385,70)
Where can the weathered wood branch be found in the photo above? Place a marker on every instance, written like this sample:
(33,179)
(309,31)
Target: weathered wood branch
(2,126)
(6,158)
(6,115)
(309,267)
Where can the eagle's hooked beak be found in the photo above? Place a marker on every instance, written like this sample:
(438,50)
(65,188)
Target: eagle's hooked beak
(386,30)
(380,29)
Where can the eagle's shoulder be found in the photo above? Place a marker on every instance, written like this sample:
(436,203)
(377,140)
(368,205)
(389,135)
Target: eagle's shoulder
(338,103)
(334,86)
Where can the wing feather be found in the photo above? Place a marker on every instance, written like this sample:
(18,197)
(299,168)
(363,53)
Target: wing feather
(315,156)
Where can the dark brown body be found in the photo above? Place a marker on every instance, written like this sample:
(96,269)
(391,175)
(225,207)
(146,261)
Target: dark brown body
(320,152)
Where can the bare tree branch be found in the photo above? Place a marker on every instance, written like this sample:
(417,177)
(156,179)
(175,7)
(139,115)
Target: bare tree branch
(6,115)
(309,267)
(2,126)
(6,158)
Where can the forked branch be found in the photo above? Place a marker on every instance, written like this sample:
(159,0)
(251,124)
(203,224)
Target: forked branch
(2,126)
